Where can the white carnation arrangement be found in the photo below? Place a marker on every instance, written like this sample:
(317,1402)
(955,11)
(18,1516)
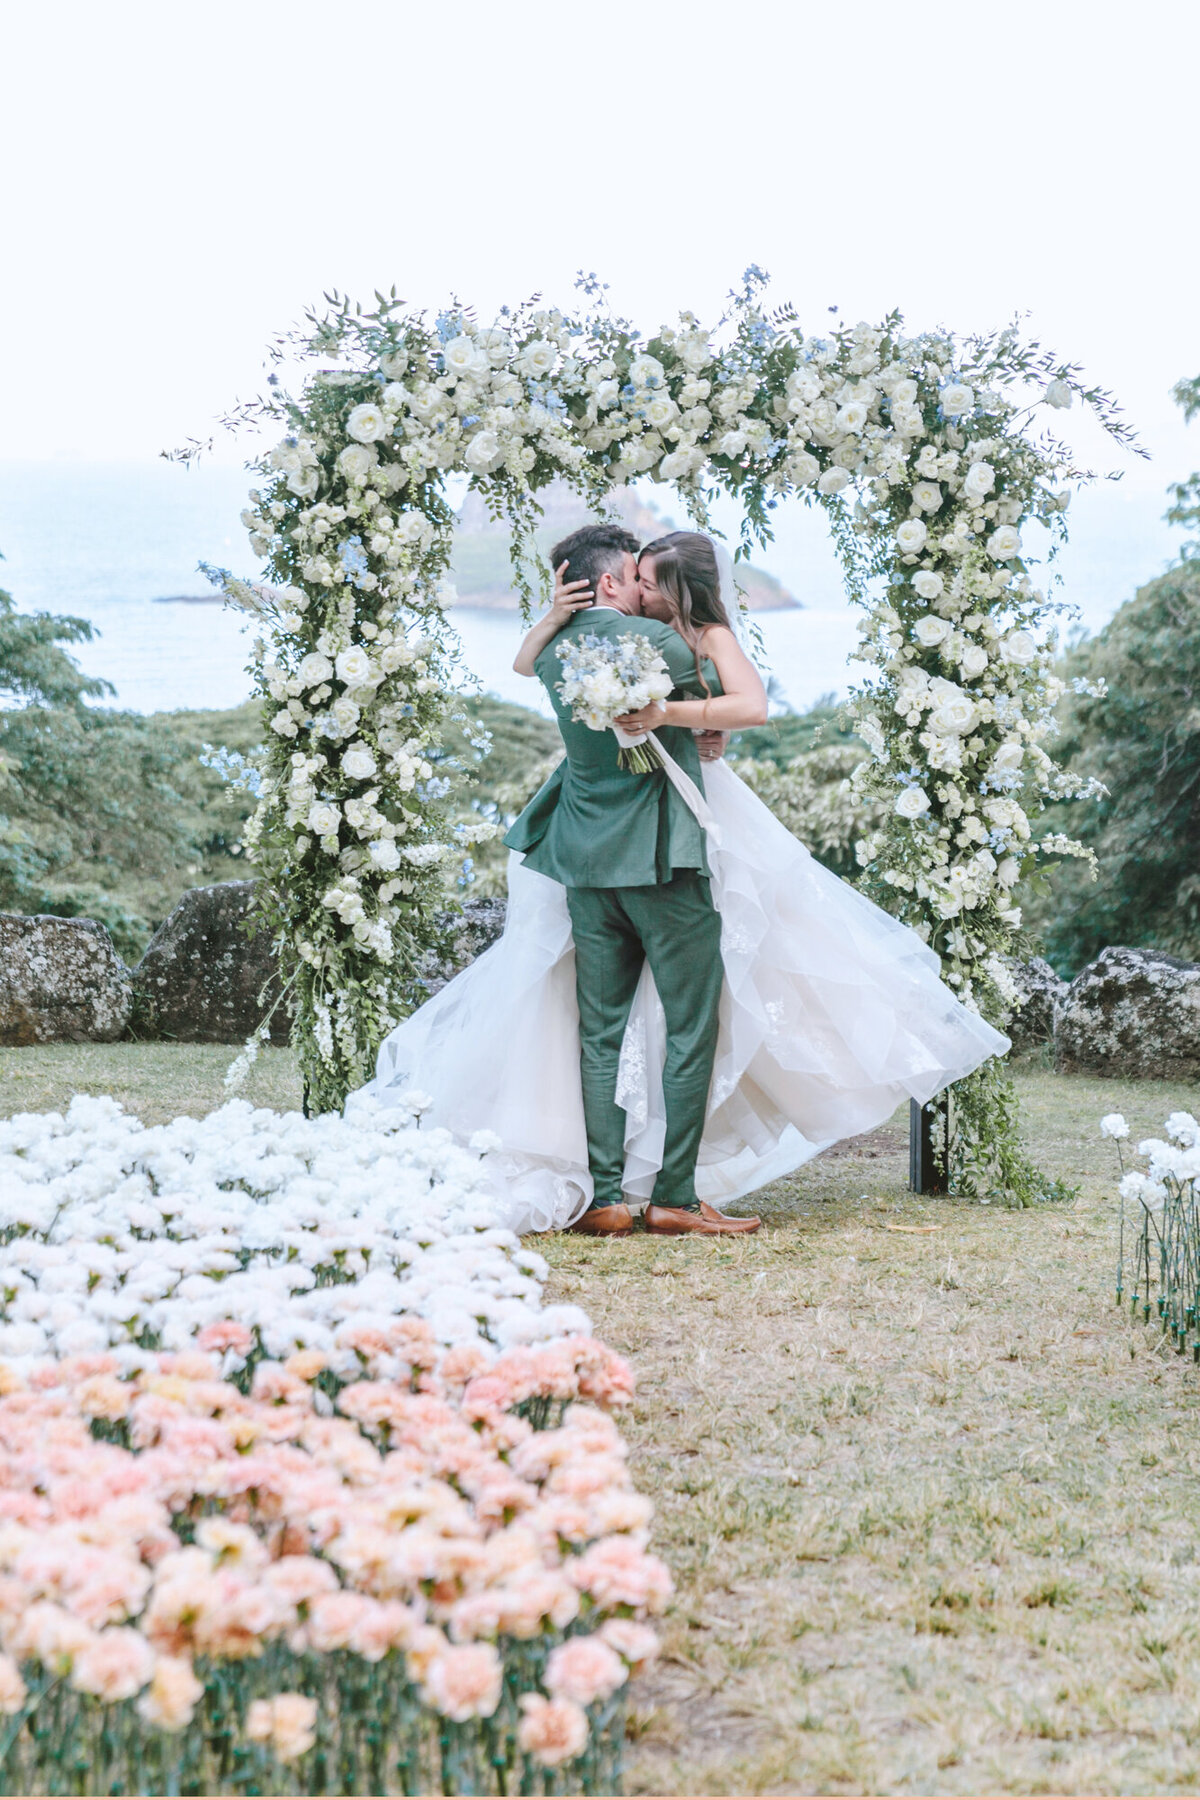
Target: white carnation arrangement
(305,1489)
(931,454)
(1160,1221)
(605,678)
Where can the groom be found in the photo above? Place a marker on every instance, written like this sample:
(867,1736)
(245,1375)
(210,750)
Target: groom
(631,856)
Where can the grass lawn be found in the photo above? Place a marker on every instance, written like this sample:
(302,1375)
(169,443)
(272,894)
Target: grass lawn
(927,1494)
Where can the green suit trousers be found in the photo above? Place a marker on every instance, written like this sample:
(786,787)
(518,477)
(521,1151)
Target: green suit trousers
(674,926)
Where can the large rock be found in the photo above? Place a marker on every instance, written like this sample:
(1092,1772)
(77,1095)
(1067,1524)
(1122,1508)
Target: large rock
(1131,1012)
(201,978)
(61,982)
(1041,990)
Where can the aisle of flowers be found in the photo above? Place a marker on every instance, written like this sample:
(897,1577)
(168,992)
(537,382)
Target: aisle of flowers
(304,1489)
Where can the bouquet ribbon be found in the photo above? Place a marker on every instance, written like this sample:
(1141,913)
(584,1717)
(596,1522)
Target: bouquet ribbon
(688,792)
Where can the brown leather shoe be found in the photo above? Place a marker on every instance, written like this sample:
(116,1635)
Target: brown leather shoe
(673,1221)
(724,1220)
(605,1221)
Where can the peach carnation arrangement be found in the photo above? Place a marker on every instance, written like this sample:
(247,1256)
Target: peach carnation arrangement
(402,1558)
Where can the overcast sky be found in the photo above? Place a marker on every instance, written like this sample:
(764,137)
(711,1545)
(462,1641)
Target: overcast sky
(182,180)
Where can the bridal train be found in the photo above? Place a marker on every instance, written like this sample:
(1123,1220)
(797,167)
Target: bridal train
(832,1013)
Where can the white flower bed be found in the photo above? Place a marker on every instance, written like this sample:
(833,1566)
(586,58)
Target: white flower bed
(305,1231)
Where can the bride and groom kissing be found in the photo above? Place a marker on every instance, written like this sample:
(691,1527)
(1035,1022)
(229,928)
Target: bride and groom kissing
(684,1005)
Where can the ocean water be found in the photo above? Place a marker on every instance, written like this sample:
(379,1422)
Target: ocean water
(108,541)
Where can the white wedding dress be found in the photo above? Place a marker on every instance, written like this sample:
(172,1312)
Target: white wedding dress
(832,1014)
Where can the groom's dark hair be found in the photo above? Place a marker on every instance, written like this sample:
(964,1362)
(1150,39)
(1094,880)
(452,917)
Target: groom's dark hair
(593,551)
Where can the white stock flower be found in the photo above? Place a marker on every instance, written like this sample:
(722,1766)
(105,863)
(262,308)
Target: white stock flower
(979,481)
(834,479)
(1019,649)
(911,536)
(931,630)
(1058,394)
(911,802)
(927,495)
(356,461)
(366,423)
(957,398)
(323,818)
(928,584)
(358,762)
(1004,543)
(355,667)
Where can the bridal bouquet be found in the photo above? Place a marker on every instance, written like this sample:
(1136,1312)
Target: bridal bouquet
(604,678)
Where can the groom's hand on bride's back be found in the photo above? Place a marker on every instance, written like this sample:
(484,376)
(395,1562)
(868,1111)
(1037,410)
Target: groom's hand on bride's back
(712,745)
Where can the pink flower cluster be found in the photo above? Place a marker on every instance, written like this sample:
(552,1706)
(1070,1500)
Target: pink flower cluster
(418,1513)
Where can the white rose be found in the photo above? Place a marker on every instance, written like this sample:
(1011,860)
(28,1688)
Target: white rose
(305,483)
(1008,871)
(910,537)
(979,481)
(732,444)
(287,458)
(366,423)
(904,393)
(538,357)
(395,365)
(954,718)
(661,411)
(384,854)
(852,417)
(680,463)
(356,461)
(907,421)
(1009,756)
(314,669)
(1018,648)
(1004,543)
(973,662)
(957,398)
(645,371)
(911,802)
(482,451)
(355,667)
(323,819)
(803,467)
(931,630)
(834,479)
(928,584)
(358,762)
(460,355)
(927,495)
(495,344)
(1058,394)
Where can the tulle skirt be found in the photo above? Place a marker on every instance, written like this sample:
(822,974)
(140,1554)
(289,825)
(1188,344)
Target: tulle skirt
(832,1013)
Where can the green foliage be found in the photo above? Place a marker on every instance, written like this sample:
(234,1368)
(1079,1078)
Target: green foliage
(1143,743)
(1185,495)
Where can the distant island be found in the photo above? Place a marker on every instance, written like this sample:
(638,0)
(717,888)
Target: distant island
(481,572)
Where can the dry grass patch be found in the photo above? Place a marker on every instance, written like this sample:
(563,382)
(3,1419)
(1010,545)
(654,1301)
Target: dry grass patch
(928,1497)
(155,1081)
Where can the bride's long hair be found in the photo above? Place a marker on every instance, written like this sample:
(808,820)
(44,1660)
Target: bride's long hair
(685,569)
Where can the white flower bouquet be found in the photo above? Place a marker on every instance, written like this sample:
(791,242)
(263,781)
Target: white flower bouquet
(605,678)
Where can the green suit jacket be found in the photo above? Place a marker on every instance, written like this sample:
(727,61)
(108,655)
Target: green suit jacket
(594,824)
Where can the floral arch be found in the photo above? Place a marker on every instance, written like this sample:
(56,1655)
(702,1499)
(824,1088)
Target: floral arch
(925,453)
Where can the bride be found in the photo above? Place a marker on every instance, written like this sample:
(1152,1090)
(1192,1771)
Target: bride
(831,1013)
